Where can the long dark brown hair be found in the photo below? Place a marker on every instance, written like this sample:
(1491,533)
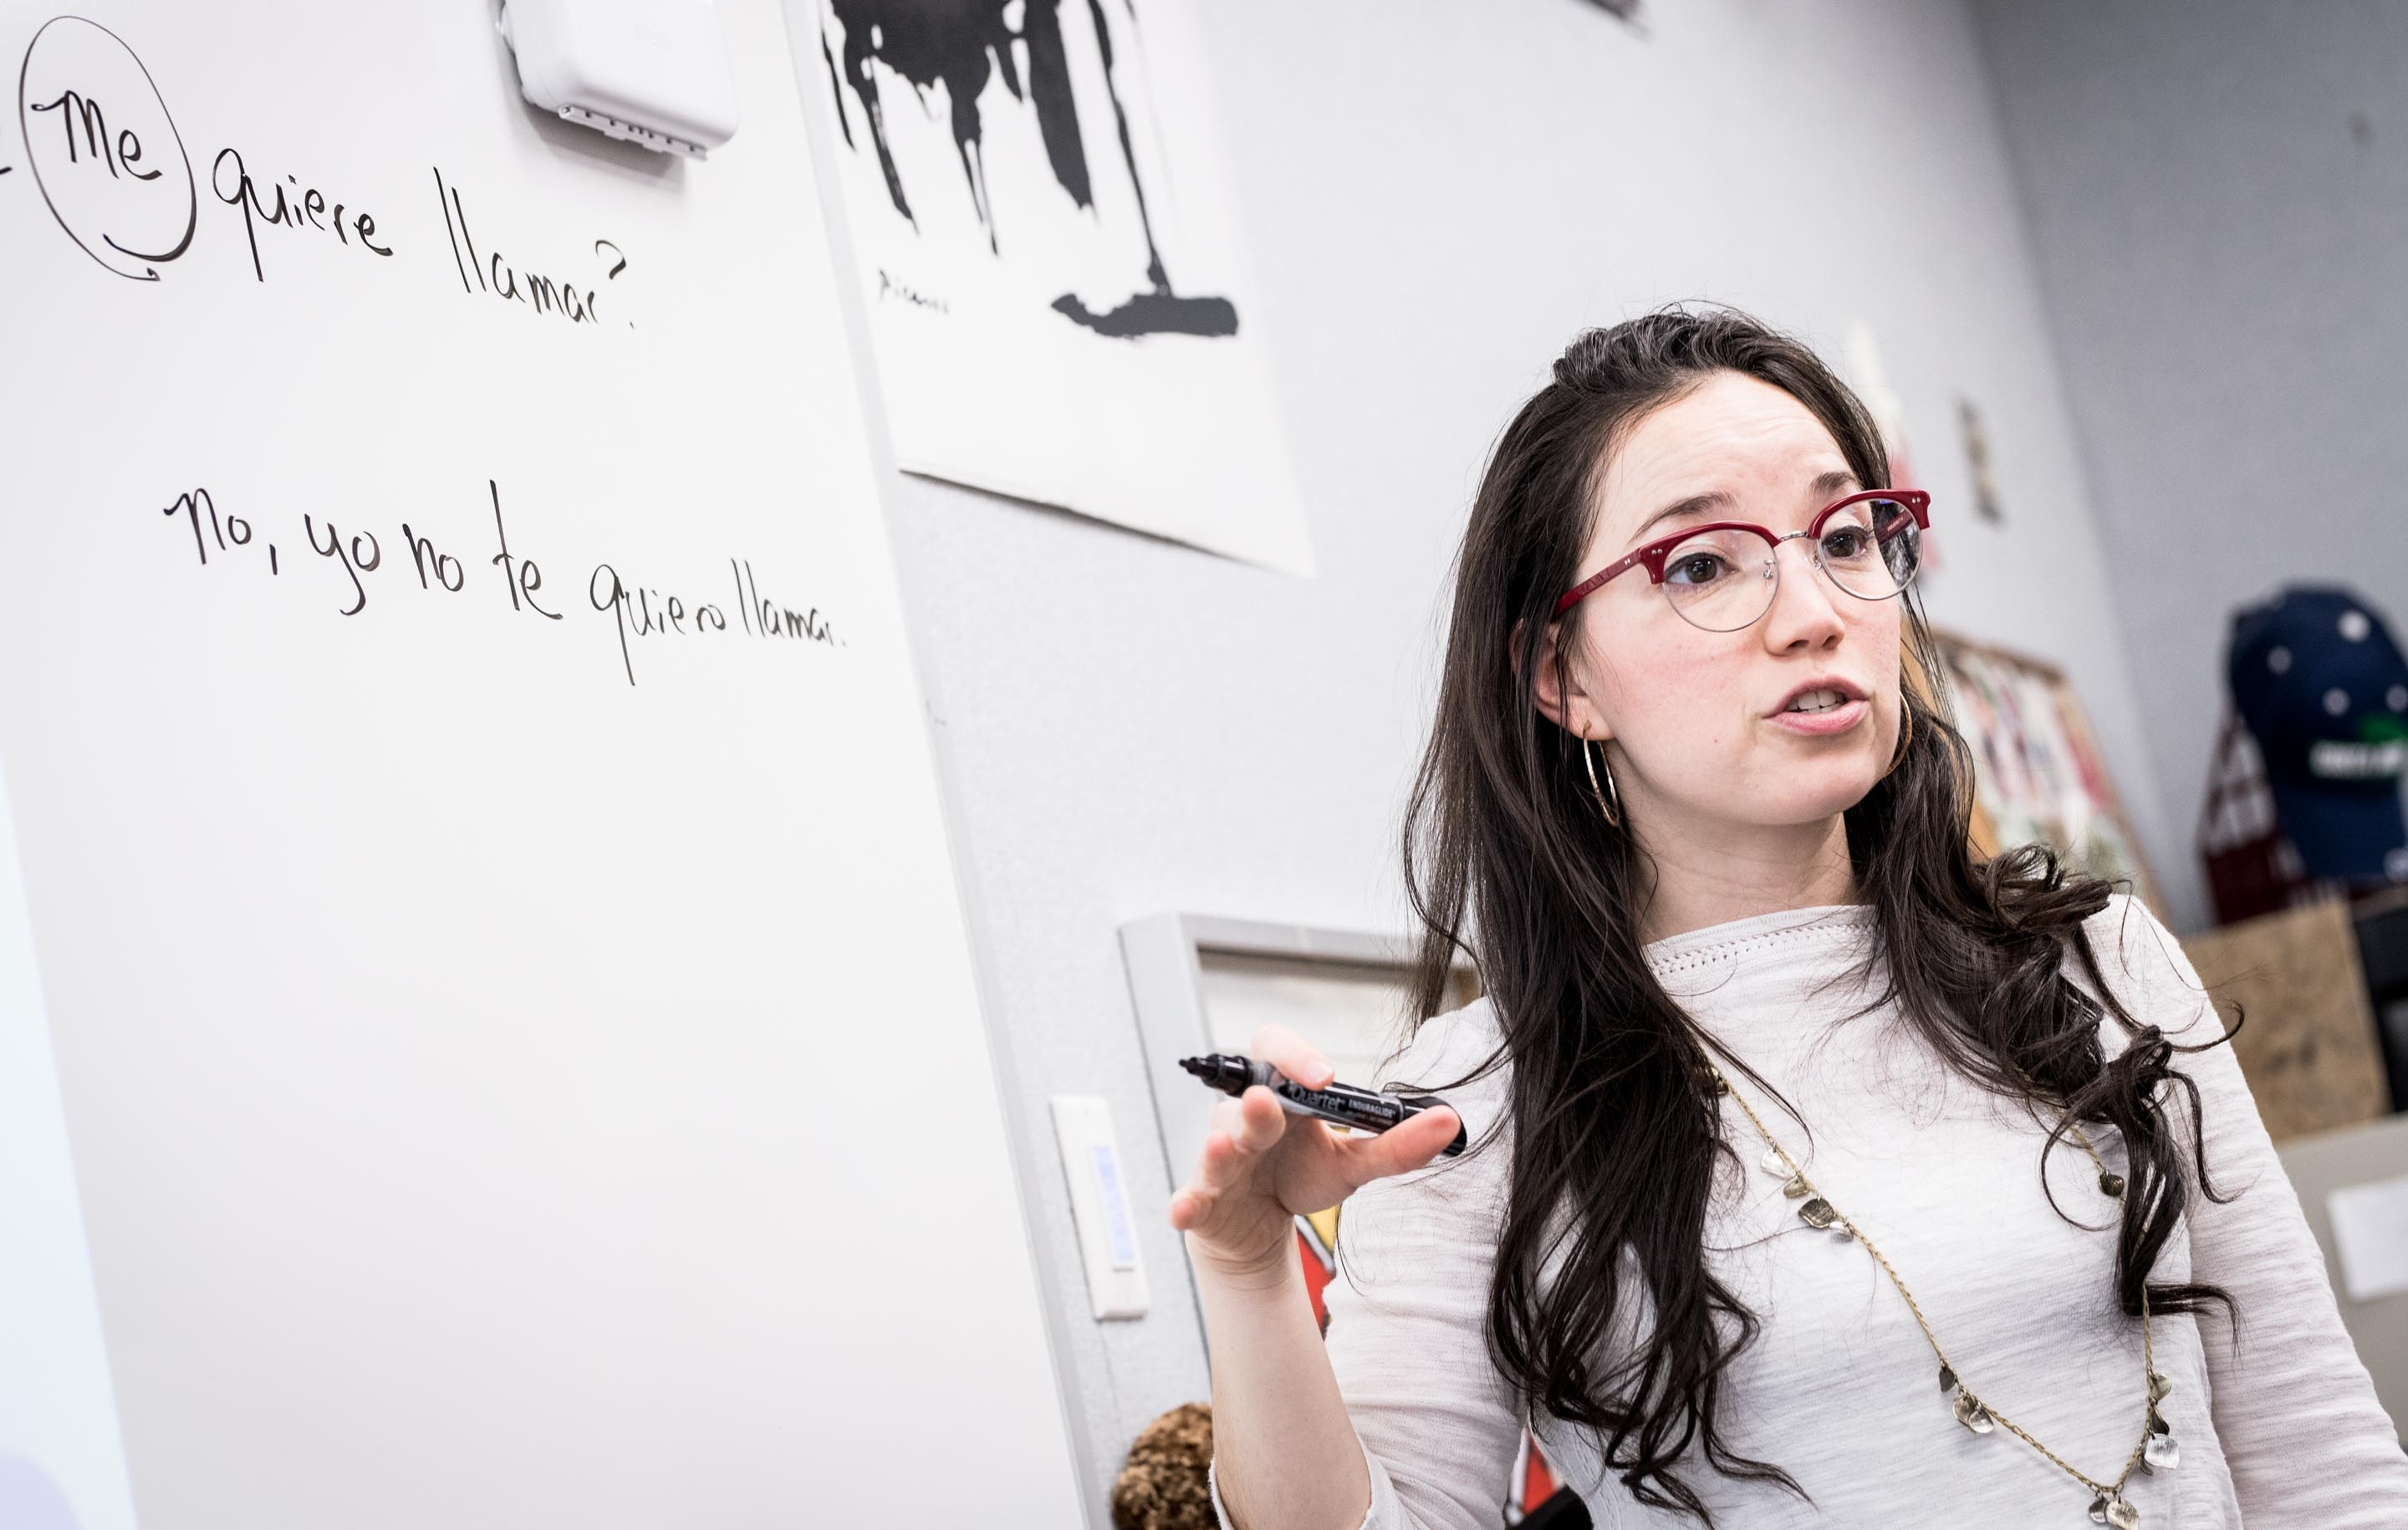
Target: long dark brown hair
(1613,1141)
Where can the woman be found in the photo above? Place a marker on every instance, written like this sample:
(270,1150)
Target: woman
(1821,1175)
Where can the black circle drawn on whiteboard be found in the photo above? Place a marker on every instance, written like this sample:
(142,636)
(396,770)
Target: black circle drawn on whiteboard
(98,118)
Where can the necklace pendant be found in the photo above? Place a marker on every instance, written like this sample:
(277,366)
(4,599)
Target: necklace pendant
(1817,1213)
(1842,1232)
(2162,1453)
(2099,1510)
(1773,1163)
(2122,1515)
(2111,1184)
(1947,1381)
(2158,1387)
(1797,1186)
(1970,1413)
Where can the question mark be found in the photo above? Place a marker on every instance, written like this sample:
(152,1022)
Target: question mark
(600,245)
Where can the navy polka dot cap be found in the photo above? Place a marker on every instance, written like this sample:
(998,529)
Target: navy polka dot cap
(2324,690)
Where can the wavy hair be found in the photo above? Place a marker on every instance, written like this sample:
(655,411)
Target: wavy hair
(1615,1143)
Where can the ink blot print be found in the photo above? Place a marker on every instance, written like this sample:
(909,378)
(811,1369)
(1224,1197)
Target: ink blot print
(964,46)
(103,150)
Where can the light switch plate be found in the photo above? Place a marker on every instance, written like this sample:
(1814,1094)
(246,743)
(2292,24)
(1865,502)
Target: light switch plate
(1100,1202)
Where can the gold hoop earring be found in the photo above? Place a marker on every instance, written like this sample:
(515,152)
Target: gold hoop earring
(1611,809)
(1905,733)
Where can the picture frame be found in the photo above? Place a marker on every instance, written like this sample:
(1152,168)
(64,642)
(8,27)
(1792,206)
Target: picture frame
(1202,984)
(2040,776)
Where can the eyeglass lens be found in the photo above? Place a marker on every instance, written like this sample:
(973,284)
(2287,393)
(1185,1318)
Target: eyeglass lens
(1723,580)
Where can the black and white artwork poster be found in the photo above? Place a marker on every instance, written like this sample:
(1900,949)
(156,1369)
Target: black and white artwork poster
(1057,291)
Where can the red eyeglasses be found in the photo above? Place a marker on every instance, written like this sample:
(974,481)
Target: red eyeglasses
(1721,576)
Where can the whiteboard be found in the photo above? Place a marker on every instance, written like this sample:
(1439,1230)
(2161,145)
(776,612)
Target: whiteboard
(511,1010)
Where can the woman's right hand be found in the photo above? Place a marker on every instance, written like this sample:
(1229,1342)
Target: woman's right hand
(1261,1166)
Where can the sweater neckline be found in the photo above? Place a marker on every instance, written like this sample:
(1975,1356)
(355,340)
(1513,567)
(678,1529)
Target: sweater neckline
(1828,924)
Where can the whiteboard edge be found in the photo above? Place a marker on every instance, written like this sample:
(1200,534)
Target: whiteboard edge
(1069,1395)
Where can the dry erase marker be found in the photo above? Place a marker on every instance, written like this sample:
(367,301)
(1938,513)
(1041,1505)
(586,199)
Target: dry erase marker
(1343,1104)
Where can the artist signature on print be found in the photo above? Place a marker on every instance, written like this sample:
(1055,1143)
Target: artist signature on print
(890,287)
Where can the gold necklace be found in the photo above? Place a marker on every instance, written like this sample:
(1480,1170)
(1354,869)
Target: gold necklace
(2156,1451)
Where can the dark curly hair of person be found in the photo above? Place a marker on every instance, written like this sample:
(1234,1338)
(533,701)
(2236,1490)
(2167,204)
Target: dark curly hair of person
(1163,1486)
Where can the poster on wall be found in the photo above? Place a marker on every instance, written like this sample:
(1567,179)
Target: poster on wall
(2039,775)
(1056,291)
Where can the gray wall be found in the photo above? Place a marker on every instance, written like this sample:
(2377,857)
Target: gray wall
(2218,192)
(1437,194)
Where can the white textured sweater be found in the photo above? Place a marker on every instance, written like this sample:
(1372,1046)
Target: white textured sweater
(1839,1386)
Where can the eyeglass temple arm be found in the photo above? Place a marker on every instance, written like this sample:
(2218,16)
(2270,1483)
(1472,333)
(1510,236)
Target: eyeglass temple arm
(1651,555)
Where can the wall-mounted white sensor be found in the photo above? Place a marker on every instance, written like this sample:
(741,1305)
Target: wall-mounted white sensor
(654,72)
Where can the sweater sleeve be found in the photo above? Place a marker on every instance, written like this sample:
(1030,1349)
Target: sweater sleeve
(1438,1424)
(2295,1412)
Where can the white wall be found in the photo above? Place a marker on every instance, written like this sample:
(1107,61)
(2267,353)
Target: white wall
(2218,192)
(1439,194)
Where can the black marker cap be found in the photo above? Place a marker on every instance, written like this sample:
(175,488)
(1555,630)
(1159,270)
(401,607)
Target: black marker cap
(1229,1075)
(1212,1069)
